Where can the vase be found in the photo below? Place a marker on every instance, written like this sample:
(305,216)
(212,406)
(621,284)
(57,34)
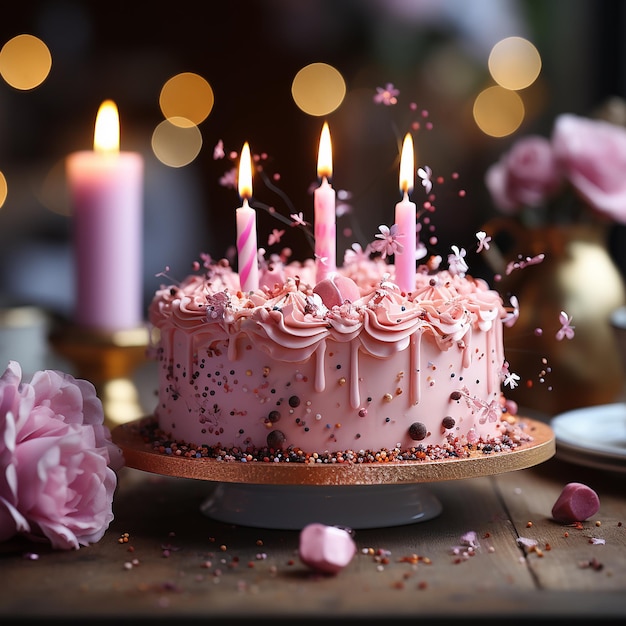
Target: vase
(577,276)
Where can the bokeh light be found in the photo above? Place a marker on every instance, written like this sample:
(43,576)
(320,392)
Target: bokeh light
(3,189)
(498,112)
(514,63)
(25,62)
(176,142)
(186,98)
(318,89)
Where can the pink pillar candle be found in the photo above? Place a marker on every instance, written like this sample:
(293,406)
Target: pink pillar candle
(106,193)
(247,251)
(405,219)
(324,205)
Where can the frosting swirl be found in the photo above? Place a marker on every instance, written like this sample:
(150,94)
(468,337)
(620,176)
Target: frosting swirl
(289,321)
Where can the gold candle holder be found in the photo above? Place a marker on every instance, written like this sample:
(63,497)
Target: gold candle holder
(108,360)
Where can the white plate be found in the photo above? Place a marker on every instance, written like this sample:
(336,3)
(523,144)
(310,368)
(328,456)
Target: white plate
(594,436)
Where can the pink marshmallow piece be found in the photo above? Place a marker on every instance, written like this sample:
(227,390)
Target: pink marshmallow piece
(336,289)
(576,503)
(326,549)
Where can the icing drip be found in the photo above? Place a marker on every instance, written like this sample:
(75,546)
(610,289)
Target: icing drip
(320,380)
(232,349)
(355,398)
(465,346)
(190,352)
(414,367)
(488,361)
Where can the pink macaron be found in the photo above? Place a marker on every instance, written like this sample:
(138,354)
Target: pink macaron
(336,289)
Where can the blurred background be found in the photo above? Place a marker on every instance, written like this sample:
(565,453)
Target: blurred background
(434,52)
(246,70)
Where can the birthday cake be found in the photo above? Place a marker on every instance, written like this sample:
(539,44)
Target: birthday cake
(349,363)
(293,360)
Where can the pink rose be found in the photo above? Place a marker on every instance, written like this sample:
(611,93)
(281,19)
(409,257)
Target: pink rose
(592,154)
(57,460)
(527,175)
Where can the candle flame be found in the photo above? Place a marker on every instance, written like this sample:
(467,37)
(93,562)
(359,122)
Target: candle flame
(407,167)
(245,172)
(107,133)
(325,154)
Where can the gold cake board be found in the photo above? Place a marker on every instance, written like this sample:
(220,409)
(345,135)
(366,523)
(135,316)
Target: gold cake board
(356,495)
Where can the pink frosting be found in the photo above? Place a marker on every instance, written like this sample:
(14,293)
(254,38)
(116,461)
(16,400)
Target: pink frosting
(291,320)
(372,369)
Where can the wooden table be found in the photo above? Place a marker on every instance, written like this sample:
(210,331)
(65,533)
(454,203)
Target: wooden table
(163,559)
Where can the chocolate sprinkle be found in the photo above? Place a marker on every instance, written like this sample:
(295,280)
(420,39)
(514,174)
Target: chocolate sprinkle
(417,431)
(276,439)
(448,422)
(273,416)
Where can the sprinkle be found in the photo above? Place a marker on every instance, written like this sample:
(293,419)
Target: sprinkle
(512,435)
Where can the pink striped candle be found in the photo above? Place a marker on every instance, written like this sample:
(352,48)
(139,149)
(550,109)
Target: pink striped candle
(405,220)
(247,252)
(324,203)
(106,193)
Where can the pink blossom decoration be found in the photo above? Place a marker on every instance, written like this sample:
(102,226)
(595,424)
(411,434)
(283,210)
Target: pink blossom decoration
(387,241)
(511,379)
(229,179)
(387,95)
(470,538)
(512,313)
(483,241)
(566,330)
(298,219)
(57,461)
(425,174)
(218,150)
(275,236)
(456,261)
(526,542)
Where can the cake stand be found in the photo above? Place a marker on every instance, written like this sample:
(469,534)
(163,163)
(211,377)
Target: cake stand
(353,495)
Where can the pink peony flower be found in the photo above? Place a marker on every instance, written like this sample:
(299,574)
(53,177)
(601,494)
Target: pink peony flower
(585,156)
(527,175)
(592,154)
(57,460)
